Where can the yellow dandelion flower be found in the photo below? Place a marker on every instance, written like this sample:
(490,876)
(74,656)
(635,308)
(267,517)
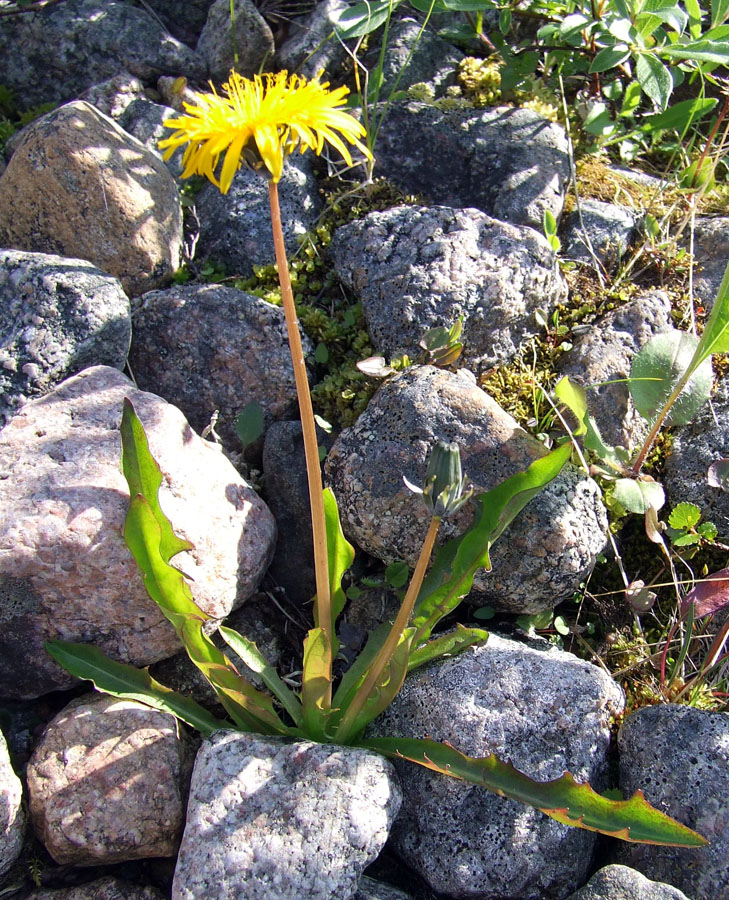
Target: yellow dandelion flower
(258,122)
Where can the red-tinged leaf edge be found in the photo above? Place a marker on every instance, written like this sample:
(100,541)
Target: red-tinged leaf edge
(563,799)
(709,595)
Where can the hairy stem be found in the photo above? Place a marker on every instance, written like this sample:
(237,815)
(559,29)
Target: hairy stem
(311,448)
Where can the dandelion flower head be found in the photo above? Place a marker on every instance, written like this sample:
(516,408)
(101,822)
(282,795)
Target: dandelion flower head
(258,122)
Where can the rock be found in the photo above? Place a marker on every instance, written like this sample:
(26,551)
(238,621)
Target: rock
(107,782)
(711,251)
(547,549)
(57,317)
(113,97)
(235,228)
(222,349)
(544,711)
(369,889)
(287,489)
(108,888)
(245,43)
(623,883)
(272,820)
(679,757)
(182,18)
(416,268)
(510,163)
(608,228)
(65,570)
(80,186)
(307,49)
(79,43)
(693,449)
(601,360)
(414,56)
(145,120)
(12,818)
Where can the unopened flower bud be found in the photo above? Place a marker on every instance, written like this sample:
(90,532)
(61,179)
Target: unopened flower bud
(444,489)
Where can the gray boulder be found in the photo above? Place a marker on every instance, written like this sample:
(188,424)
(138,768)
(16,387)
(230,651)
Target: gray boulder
(235,228)
(272,820)
(416,268)
(114,95)
(679,757)
(145,120)
(548,548)
(413,56)
(182,18)
(65,570)
(369,889)
(510,163)
(12,817)
(623,883)
(544,711)
(607,227)
(307,48)
(693,449)
(107,782)
(79,43)
(711,252)
(108,888)
(80,186)
(57,317)
(245,43)
(208,347)
(600,361)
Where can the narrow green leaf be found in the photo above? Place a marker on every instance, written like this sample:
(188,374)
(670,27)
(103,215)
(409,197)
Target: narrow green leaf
(144,477)
(340,556)
(654,78)
(562,799)
(693,8)
(449,644)
(679,116)
(315,683)
(719,12)
(698,51)
(355,674)
(656,371)
(257,662)
(129,683)
(715,338)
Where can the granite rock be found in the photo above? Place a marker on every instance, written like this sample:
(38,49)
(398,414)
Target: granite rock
(108,888)
(271,820)
(107,782)
(548,548)
(607,227)
(306,48)
(12,817)
(543,710)
(245,44)
(65,570)
(679,757)
(623,883)
(711,252)
(57,317)
(510,163)
(416,268)
(80,186)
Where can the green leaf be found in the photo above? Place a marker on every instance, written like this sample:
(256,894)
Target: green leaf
(694,11)
(654,78)
(637,496)
(144,477)
(321,354)
(130,683)
(698,51)
(673,16)
(656,371)
(573,396)
(685,540)
(449,644)
(561,626)
(609,57)
(455,564)
(535,621)
(679,116)
(257,662)
(631,100)
(719,12)
(340,556)
(316,683)
(249,423)
(364,18)
(715,338)
(684,515)
(397,574)
(505,21)
(562,799)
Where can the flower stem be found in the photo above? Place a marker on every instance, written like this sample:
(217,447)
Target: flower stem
(311,448)
(393,638)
